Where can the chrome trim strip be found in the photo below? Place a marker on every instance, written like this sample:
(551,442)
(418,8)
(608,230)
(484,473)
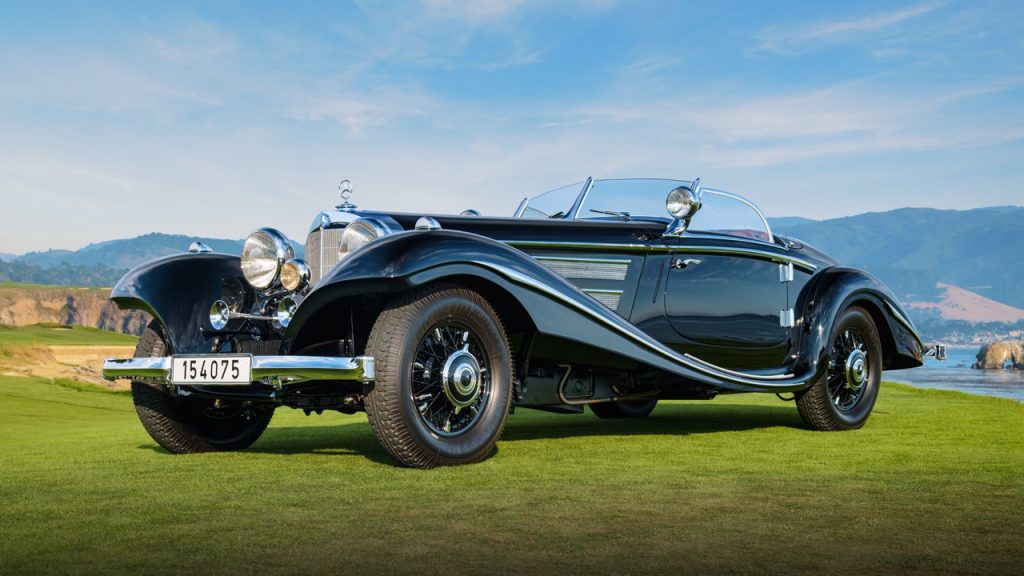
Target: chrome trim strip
(280,370)
(682,248)
(634,334)
(735,373)
(586,245)
(753,252)
(602,291)
(586,260)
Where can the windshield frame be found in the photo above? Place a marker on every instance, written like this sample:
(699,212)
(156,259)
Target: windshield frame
(573,213)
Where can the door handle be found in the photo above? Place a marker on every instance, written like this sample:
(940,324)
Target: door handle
(680,264)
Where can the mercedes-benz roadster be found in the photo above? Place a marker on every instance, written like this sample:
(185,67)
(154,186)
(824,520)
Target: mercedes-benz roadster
(612,294)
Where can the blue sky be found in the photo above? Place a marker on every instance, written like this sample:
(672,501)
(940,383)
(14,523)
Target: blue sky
(214,118)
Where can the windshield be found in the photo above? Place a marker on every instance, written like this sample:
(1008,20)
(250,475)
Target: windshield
(552,204)
(725,213)
(634,199)
(624,199)
(628,199)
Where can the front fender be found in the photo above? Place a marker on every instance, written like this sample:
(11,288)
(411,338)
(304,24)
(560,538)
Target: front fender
(178,290)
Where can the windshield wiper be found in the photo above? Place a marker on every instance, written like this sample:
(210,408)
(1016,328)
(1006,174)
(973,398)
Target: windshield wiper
(558,214)
(624,215)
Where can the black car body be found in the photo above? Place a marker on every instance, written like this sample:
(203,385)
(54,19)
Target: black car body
(608,301)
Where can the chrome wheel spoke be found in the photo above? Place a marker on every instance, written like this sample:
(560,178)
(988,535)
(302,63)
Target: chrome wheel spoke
(450,379)
(848,370)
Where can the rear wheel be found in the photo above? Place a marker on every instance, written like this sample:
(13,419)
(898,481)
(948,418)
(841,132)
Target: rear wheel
(843,398)
(624,408)
(185,425)
(443,378)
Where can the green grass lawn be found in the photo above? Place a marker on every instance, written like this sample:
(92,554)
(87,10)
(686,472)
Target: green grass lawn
(933,484)
(60,335)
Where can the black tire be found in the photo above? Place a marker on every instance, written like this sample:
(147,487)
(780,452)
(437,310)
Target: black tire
(832,403)
(410,346)
(183,425)
(624,408)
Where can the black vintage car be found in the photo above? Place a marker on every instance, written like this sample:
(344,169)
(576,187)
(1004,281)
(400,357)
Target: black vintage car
(607,293)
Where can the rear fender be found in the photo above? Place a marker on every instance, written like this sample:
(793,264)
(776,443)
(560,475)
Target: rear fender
(837,288)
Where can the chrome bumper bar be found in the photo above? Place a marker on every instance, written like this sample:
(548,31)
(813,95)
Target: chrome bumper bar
(274,370)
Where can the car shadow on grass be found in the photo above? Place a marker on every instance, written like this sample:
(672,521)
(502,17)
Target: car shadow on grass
(357,439)
(354,439)
(675,420)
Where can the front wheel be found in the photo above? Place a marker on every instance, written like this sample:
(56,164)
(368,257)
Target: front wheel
(184,425)
(843,398)
(443,378)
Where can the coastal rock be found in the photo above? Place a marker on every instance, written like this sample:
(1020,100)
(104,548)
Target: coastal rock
(1000,354)
(73,306)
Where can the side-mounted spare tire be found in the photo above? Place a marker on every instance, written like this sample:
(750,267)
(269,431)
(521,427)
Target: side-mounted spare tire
(443,381)
(184,425)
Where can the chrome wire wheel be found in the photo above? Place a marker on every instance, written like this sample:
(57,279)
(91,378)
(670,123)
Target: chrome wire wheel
(844,395)
(450,378)
(443,384)
(848,370)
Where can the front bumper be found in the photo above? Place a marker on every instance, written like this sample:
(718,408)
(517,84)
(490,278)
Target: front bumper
(273,370)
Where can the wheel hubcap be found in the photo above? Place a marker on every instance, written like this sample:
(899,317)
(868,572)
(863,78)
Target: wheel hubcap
(450,379)
(461,379)
(856,370)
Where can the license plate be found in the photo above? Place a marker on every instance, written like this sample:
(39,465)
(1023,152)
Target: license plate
(219,369)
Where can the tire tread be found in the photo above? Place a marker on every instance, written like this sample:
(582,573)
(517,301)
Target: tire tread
(161,416)
(386,341)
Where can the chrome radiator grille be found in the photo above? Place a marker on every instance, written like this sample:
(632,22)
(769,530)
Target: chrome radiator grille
(593,269)
(322,251)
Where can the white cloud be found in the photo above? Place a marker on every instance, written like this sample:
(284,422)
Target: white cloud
(262,125)
(474,11)
(790,39)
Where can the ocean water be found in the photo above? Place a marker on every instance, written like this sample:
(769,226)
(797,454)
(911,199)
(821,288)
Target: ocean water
(955,373)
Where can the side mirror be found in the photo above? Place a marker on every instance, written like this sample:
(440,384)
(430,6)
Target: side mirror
(682,203)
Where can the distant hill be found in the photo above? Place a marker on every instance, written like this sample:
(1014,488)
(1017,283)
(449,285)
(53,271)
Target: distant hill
(103,263)
(127,253)
(959,304)
(914,249)
(61,275)
(5,257)
(787,221)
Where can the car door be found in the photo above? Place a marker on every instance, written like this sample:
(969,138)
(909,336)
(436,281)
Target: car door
(727,308)
(726,292)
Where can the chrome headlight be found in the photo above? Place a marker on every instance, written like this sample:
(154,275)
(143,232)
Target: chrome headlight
(264,253)
(220,315)
(360,233)
(295,275)
(682,203)
(285,310)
